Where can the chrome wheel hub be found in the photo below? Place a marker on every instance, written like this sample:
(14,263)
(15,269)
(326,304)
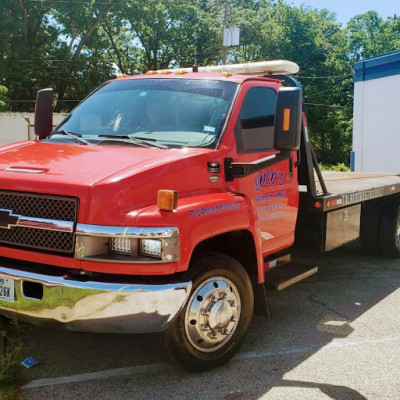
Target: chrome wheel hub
(213,314)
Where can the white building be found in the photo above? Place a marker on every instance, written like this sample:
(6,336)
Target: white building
(16,127)
(376,123)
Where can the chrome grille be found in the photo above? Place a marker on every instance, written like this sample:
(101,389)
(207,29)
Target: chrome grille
(39,206)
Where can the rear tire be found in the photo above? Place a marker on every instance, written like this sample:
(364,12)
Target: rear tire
(389,231)
(214,323)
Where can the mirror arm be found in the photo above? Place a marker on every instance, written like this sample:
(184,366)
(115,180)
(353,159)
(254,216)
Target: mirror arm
(241,170)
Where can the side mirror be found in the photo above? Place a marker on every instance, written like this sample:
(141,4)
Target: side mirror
(44,113)
(288,119)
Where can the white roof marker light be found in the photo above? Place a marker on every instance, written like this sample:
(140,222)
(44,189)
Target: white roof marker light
(260,68)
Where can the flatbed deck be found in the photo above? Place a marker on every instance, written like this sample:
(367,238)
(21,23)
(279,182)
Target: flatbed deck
(347,188)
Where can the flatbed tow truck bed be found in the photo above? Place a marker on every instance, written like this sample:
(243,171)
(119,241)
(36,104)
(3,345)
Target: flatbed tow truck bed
(348,188)
(346,205)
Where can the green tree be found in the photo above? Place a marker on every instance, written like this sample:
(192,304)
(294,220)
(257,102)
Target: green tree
(25,40)
(369,35)
(52,44)
(4,99)
(73,46)
(315,40)
(82,47)
(163,34)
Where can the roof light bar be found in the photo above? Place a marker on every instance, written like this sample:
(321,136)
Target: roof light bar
(260,68)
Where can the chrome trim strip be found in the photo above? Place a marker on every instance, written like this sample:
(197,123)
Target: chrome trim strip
(128,232)
(32,222)
(96,306)
(48,224)
(25,170)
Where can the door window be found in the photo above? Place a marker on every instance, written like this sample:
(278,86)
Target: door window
(254,130)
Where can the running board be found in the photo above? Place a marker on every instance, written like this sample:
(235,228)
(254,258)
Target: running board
(288,274)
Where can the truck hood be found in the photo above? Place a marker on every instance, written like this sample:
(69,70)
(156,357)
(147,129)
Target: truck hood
(73,164)
(75,170)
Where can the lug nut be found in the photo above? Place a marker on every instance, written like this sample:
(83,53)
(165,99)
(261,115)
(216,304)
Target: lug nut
(212,298)
(213,335)
(226,331)
(233,303)
(205,327)
(222,295)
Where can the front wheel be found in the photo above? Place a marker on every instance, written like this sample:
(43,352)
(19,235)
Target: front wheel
(213,324)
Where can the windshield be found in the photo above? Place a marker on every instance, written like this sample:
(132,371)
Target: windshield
(180,112)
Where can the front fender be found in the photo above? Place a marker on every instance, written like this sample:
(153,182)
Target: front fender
(202,217)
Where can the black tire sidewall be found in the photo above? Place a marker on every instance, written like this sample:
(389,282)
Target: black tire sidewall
(175,336)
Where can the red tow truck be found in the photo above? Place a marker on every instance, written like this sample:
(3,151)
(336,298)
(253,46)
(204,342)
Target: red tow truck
(170,202)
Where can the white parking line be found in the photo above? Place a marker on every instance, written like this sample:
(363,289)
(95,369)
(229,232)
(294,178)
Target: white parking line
(336,344)
(92,376)
(140,369)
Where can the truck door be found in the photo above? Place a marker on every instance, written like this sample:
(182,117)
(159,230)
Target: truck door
(273,191)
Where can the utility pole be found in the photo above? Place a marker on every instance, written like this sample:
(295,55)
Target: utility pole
(225,48)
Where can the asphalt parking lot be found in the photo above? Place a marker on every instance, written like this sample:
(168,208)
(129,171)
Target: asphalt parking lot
(335,335)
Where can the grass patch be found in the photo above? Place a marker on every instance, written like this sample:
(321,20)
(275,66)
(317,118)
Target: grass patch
(338,167)
(10,367)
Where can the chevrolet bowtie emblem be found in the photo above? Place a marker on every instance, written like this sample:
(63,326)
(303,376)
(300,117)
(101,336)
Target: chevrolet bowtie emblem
(8,219)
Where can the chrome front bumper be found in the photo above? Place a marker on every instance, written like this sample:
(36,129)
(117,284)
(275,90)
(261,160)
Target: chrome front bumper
(94,306)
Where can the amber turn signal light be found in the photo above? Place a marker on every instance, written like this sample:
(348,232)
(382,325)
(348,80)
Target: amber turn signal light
(167,200)
(286,119)
(318,204)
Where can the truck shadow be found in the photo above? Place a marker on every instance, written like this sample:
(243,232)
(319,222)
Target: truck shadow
(306,319)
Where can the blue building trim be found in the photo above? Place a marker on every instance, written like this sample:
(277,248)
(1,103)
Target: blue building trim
(352,160)
(377,67)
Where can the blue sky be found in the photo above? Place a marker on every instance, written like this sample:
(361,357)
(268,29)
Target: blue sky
(346,9)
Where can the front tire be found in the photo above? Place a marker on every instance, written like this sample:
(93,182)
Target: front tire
(214,323)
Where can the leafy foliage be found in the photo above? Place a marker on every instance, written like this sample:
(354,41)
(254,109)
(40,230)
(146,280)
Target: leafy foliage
(10,368)
(370,35)
(4,100)
(73,46)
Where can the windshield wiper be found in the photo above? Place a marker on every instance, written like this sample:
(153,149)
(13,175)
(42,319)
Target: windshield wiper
(76,136)
(145,142)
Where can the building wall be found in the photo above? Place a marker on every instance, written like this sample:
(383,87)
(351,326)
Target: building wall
(16,127)
(376,120)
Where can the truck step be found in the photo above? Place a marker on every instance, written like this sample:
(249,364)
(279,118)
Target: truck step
(286,275)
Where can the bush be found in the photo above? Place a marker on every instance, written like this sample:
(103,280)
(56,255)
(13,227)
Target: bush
(4,100)
(338,167)
(10,367)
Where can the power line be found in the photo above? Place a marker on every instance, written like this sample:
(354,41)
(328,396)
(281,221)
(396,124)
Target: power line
(326,105)
(329,91)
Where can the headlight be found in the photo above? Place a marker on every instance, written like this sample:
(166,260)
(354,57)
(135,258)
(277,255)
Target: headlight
(150,247)
(119,244)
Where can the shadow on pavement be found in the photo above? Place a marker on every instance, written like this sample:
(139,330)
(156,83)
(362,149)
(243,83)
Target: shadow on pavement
(304,319)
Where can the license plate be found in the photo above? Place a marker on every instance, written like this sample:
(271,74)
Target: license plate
(6,289)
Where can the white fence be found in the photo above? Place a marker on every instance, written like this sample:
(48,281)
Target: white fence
(16,127)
